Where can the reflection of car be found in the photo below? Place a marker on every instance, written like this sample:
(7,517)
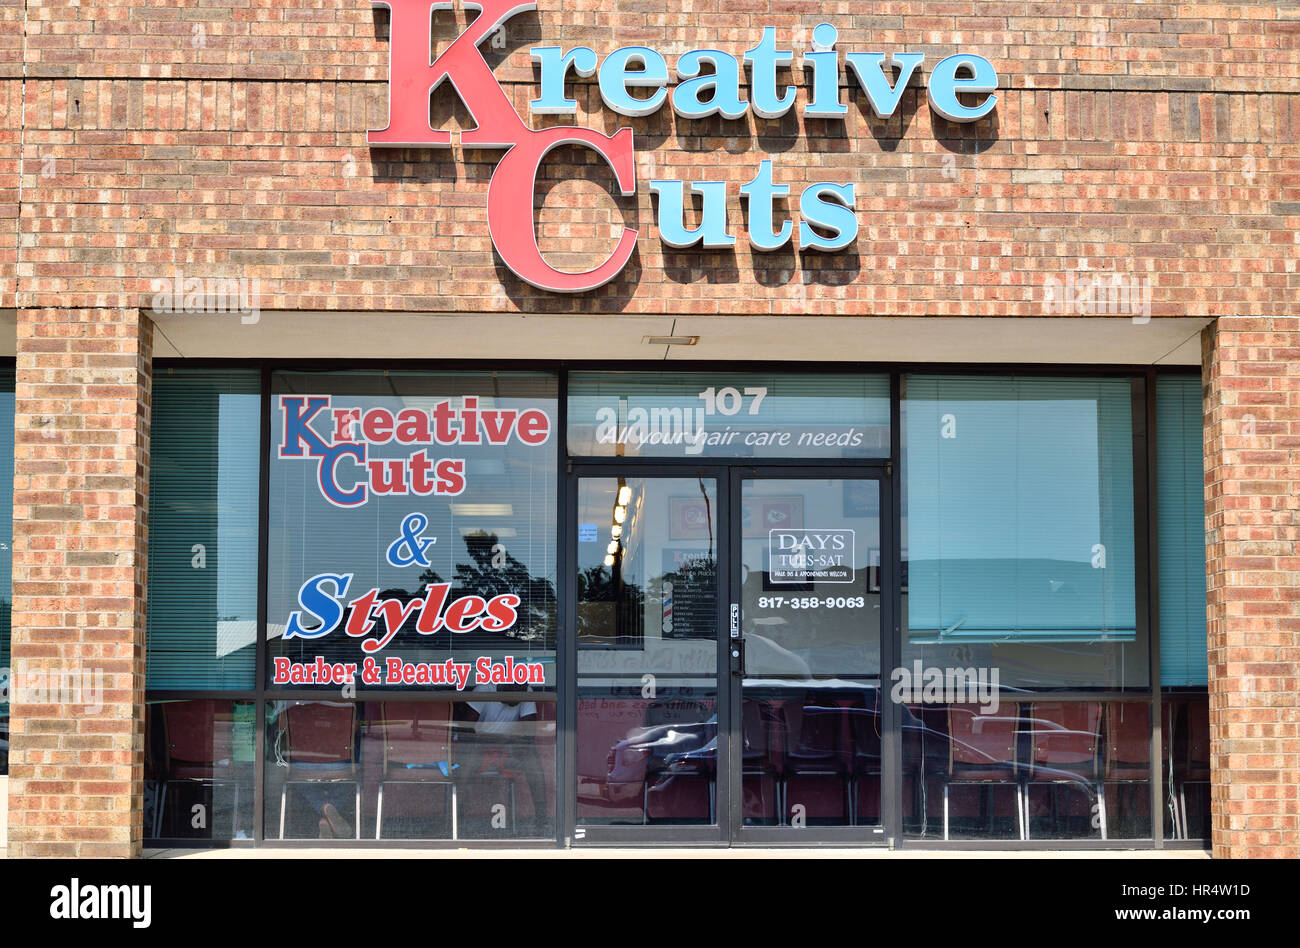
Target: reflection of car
(647,752)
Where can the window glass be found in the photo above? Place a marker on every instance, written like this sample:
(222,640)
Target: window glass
(813,753)
(647,575)
(1180,492)
(1025,770)
(1019,530)
(1185,752)
(1184,671)
(412,550)
(810,580)
(675,414)
(647,623)
(6,553)
(648,761)
(203,529)
(412,531)
(198,769)
(412,769)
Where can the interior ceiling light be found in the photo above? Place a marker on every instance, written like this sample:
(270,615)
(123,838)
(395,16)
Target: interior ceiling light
(670,340)
(483,510)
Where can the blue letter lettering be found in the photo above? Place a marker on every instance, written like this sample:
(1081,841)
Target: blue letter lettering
(869,68)
(763,60)
(836,215)
(553,64)
(296,432)
(944,86)
(723,84)
(826,75)
(319,605)
(713,216)
(615,78)
(761,192)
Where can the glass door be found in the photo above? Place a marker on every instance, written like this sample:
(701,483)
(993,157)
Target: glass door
(811,754)
(652,711)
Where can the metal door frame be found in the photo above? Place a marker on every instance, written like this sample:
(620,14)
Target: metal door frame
(715,834)
(889,832)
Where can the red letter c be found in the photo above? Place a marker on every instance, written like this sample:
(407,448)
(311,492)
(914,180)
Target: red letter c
(510,207)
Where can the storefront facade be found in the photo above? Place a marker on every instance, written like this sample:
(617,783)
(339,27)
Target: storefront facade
(734,425)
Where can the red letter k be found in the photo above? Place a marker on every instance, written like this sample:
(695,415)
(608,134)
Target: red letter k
(412,79)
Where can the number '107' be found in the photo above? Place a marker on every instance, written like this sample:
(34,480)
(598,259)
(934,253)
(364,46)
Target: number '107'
(729,401)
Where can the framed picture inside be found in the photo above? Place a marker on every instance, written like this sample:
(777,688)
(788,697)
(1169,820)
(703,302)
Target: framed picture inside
(760,514)
(690,518)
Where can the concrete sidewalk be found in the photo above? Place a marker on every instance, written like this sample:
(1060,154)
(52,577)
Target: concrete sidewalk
(313,852)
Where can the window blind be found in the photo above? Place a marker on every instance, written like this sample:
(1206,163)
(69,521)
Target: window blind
(1180,509)
(1019,509)
(203,522)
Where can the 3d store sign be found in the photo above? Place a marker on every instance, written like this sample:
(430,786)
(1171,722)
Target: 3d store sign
(708,83)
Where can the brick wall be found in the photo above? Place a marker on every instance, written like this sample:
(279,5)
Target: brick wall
(81,473)
(1238,46)
(1252,433)
(1155,141)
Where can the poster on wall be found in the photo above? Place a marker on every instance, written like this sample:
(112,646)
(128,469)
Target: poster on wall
(689,594)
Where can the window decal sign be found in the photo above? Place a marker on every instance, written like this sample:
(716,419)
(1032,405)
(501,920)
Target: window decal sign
(375,621)
(710,82)
(417,594)
(646,414)
(806,556)
(348,477)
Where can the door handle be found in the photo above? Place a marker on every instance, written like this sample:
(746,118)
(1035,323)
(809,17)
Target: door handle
(736,642)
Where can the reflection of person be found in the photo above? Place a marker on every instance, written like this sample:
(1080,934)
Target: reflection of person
(765,656)
(505,739)
(319,795)
(332,824)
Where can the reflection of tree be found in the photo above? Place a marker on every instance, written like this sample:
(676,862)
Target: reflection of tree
(694,580)
(597,584)
(537,608)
